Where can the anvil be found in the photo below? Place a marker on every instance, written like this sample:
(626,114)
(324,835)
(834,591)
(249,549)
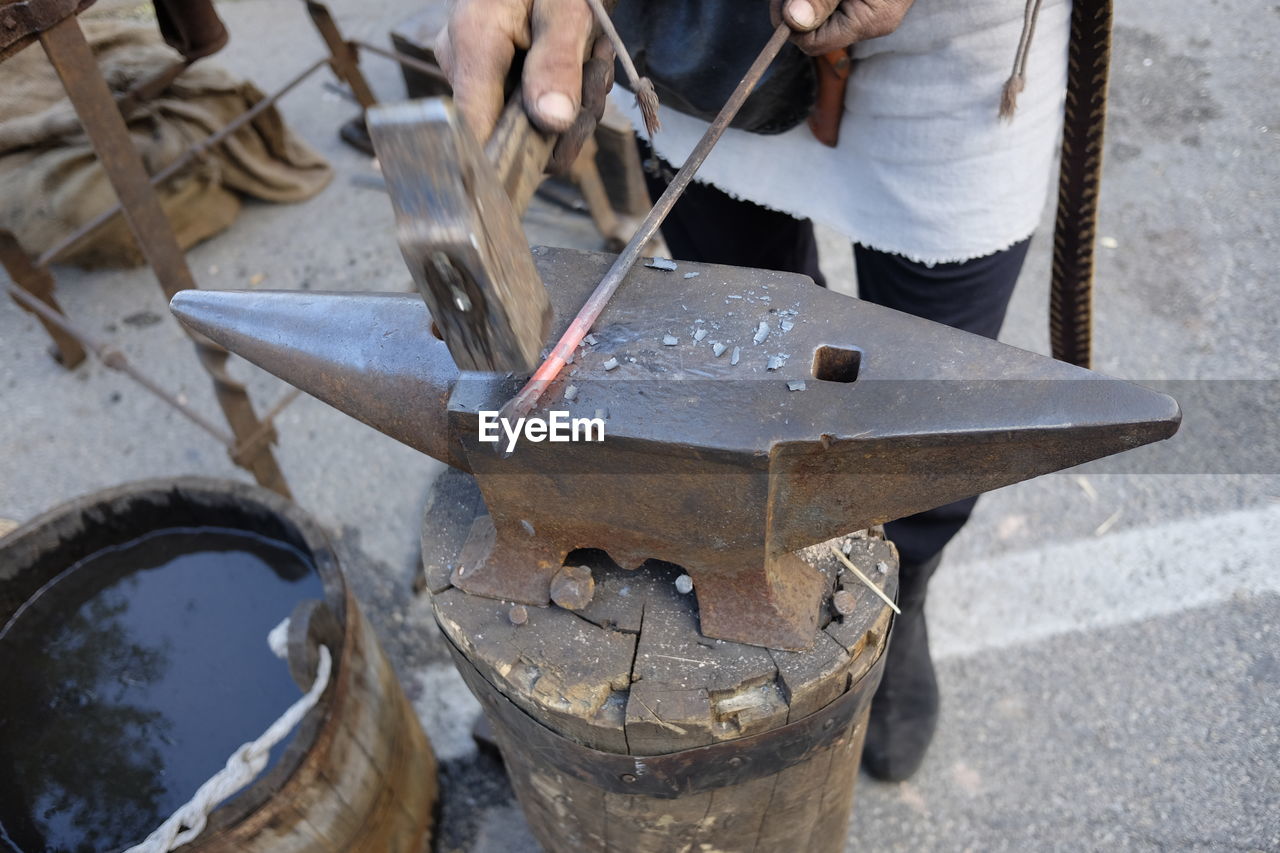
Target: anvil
(748,414)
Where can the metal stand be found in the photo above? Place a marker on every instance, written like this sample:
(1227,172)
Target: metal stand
(54,24)
(58,31)
(38,281)
(73,60)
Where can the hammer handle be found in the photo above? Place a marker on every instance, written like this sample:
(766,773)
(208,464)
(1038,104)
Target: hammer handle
(519,153)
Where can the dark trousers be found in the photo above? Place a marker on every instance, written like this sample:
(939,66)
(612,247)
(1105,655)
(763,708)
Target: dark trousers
(710,226)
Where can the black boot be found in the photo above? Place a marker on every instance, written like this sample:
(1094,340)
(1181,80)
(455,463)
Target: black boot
(904,711)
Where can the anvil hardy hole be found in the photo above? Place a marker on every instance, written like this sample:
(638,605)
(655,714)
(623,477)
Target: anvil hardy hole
(836,364)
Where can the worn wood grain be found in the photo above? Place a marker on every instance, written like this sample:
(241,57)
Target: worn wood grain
(367,783)
(557,666)
(636,650)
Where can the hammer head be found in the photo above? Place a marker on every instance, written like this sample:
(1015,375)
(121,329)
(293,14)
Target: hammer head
(461,237)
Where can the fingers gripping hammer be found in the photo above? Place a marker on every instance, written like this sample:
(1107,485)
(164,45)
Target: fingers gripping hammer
(458,210)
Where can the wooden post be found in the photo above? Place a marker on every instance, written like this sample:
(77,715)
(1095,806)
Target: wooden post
(624,729)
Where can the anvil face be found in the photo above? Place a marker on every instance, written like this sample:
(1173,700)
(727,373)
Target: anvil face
(844,415)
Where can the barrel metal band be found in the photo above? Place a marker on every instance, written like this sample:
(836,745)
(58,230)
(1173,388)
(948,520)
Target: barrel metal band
(676,774)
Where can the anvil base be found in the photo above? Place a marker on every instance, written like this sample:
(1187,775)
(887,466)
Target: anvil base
(778,599)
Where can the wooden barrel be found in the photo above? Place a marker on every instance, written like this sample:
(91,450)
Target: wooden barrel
(624,729)
(359,774)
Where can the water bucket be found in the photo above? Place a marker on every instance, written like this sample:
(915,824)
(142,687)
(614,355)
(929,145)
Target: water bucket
(115,687)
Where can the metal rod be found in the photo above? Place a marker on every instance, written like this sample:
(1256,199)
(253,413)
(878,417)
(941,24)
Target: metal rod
(73,60)
(38,281)
(115,359)
(342,54)
(197,149)
(151,87)
(267,426)
(848,564)
(413,62)
(646,97)
(521,404)
(619,46)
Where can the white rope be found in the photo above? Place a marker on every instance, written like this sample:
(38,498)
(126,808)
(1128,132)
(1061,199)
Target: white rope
(243,766)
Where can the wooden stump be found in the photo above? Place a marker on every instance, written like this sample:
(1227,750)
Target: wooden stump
(624,729)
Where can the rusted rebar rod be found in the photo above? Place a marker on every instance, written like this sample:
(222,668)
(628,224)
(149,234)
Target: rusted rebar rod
(249,445)
(112,357)
(413,62)
(115,359)
(38,281)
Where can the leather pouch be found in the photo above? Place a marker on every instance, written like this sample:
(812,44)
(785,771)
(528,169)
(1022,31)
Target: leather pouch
(191,27)
(833,70)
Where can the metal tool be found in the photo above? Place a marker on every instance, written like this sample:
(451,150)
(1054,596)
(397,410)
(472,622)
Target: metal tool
(458,215)
(819,415)
(464,246)
(458,225)
(523,402)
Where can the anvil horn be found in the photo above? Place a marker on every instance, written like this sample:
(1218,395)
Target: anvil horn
(749,414)
(369,355)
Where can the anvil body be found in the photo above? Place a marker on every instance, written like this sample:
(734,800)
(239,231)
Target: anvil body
(723,468)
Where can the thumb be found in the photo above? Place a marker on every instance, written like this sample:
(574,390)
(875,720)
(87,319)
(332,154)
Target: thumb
(553,67)
(807,15)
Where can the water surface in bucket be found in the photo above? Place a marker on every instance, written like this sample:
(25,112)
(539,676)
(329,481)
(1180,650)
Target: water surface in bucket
(130,678)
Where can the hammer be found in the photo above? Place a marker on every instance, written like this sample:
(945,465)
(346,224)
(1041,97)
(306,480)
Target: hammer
(458,213)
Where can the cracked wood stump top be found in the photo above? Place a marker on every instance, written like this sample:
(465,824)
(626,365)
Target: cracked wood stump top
(631,673)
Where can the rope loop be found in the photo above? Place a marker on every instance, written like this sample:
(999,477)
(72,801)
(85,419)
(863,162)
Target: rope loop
(244,765)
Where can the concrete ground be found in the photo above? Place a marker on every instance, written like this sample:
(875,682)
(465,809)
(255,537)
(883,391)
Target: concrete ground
(1107,637)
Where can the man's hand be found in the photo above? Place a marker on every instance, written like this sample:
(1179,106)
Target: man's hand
(478,45)
(825,25)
